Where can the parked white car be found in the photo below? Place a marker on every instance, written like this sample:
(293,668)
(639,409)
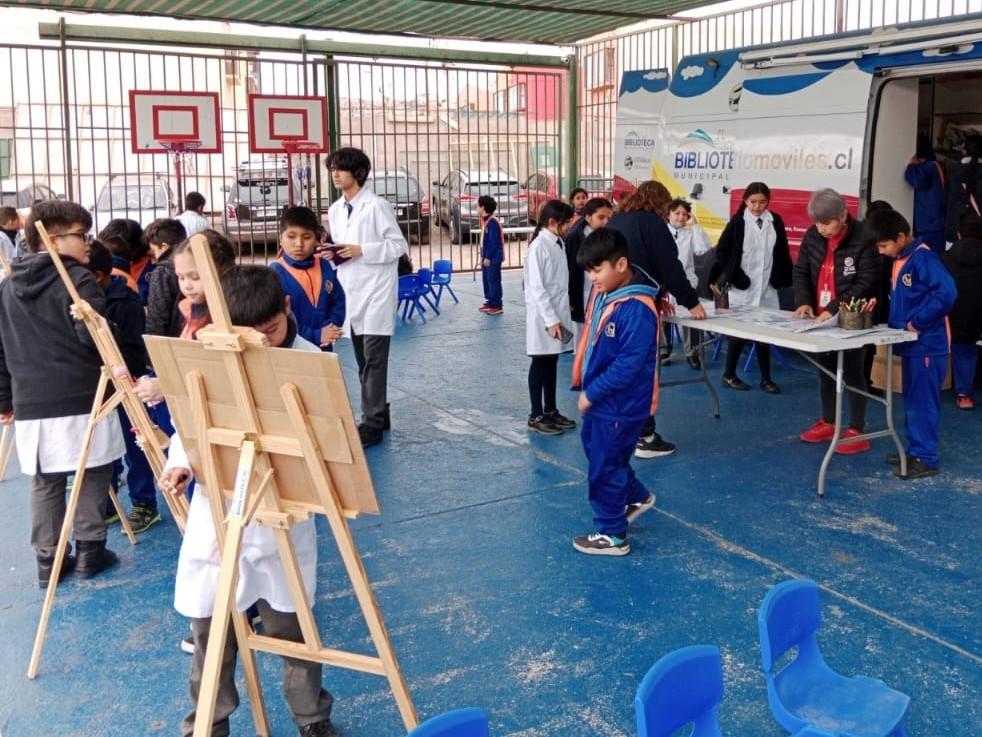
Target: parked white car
(143,197)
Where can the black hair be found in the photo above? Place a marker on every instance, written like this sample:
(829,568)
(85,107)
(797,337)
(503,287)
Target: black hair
(575,191)
(165,230)
(100,259)
(878,206)
(299,216)
(970,225)
(130,232)
(752,189)
(885,225)
(54,214)
(222,252)
(602,245)
(194,201)
(117,247)
(253,294)
(8,214)
(352,160)
(680,202)
(595,203)
(556,210)
(488,203)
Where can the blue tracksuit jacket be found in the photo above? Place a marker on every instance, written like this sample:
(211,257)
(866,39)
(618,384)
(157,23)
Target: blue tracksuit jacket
(492,248)
(929,197)
(923,295)
(315,303)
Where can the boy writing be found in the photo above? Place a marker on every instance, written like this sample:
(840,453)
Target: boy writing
(49,373)
(312,288)
(492,254)
(164,293)
(615,369)
(255,299)
(922,294)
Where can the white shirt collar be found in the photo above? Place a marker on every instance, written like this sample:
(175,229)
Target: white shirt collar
(751,219)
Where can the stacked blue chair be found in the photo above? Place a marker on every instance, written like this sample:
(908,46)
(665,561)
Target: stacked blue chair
(470,722)
(684,687)
(807,693)
(409,297)
(442,275)
(425,288)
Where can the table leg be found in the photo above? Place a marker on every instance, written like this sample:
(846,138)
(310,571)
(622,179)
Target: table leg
(889,404)
(839,391)
(705,374)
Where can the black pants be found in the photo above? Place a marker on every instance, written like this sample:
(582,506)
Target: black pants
(542,384)
(734,347)
(854,374)
(372,355)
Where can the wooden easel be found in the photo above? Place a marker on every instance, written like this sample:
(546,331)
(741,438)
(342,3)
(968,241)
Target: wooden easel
(271,431)
(150,437)
(7,438)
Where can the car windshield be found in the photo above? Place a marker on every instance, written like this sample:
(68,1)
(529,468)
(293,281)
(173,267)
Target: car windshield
(8,199)
(264,191)
(402,188)
(132,197)
(495,189)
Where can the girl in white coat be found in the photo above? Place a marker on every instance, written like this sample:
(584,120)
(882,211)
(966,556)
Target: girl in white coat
(548,326)
(691,241)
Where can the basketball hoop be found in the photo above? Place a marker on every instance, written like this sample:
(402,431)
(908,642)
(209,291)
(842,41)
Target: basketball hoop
(181,149)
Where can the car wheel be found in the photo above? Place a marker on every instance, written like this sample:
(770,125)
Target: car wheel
(424,232)
(455,231)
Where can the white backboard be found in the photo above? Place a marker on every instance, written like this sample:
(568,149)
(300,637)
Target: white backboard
(159,119)
(277,123)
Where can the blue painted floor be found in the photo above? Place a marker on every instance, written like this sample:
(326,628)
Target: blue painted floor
(488,604)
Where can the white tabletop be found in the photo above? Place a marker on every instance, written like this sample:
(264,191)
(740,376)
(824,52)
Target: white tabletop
(776,327)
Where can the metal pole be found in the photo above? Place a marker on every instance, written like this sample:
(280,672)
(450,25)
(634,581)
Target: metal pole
(333,115)
(572,117)
(66,112)
(840,16)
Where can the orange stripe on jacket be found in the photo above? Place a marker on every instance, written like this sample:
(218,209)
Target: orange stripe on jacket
(310,280)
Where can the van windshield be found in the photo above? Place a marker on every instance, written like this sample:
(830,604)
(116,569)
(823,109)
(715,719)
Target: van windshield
(401,188)
(132,197)
(495,189)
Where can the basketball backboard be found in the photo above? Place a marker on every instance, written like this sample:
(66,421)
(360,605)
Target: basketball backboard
(159,120)
(279,123)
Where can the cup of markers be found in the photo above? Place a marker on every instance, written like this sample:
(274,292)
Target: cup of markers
(857,313)
(721,297)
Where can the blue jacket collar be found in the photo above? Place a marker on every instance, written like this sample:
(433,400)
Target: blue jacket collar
(911,247)
(304,264)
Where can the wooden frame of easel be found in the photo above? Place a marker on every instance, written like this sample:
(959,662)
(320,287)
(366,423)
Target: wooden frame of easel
(271,431)
(150,437)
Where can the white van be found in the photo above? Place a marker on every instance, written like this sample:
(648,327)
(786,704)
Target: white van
(843,111)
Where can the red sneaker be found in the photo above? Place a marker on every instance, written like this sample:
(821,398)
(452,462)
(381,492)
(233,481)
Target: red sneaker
(851,449)
(820,432)
(963,401)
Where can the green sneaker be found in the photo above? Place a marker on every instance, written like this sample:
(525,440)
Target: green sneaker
(141,517)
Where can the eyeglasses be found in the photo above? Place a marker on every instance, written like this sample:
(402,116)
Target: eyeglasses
(87,237)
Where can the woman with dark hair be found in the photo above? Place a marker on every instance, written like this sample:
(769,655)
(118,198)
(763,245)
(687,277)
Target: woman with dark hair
(548,327)
(641,220)
(753,261)
(964,186)
(836,264)
(578,198)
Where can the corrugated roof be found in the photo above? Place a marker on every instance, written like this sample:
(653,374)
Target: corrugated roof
(531,21)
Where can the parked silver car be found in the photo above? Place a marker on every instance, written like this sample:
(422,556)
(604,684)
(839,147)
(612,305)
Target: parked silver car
(455,200)
(256,199)
(140,197)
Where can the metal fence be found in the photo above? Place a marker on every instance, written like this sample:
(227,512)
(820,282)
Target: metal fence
(603,60)
(65,131)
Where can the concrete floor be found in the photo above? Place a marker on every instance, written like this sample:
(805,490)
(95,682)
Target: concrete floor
(486,601)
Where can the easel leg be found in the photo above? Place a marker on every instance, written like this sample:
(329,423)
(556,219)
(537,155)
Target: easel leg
(6,448)
(66,527)
(123,521)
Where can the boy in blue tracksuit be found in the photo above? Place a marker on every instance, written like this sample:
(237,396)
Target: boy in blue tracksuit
(615,369)
(923,293)
(316,298)
(925,175)
(492,255)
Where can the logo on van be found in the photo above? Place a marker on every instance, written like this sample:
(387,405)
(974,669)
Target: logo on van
(633,139)
(699,136)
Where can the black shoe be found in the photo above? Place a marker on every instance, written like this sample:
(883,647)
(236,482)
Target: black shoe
(597,544)
(633,511)
(543,426)
(560,421)
(369,436)
(141,517)
(694,363)
(46,566)
(665,357)
(93,558)
(735,382)
(653,446)
(319,729)
(770,387)
(916,469)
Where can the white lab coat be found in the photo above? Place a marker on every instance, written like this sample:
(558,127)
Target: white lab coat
(691,241)
(757,261)
(371,281)
(546,295)
(54,444)
(260,569)
(193,222)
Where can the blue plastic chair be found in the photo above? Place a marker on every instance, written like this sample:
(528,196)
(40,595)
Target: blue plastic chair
(471,722)
(425,277)
(807,692)
(409,297)
(442,274)
(774,351)
(685,686)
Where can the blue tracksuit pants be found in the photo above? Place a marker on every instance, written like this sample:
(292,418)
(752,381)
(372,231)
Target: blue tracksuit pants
(491,276)
(609,445)
(923,377)
(139,476)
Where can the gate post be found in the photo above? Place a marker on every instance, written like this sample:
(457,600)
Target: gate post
(66,113)
(573,118)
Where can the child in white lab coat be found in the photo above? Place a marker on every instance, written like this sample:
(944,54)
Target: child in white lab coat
(255,299)
(548,326)
(691,241)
